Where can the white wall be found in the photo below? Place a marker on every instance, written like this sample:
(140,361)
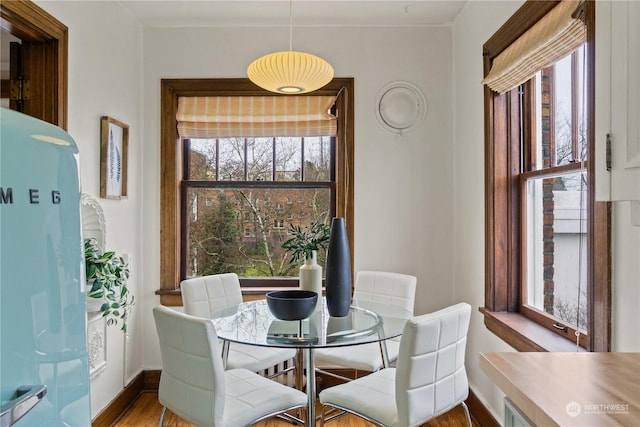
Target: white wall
(105,71)
(403,185)
(419,198)
(473,26)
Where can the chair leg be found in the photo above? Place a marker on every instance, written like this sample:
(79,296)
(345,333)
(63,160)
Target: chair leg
(341,377)
(164,410)
(383,352)
(298,363)
(466,413)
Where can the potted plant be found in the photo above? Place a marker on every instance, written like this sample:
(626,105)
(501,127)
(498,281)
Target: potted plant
(304,245)
(107,275)
(306,240)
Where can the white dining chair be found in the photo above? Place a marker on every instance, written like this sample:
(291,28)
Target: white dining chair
(385,289)
(429,378)
(203,295)
(195,386)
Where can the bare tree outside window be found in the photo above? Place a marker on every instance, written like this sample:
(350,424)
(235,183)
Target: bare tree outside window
(251,184)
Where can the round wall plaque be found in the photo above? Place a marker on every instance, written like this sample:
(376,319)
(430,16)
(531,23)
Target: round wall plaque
(400,107)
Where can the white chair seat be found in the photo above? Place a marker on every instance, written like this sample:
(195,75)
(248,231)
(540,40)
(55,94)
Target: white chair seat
(206,294)
(256,359)
(430,378)
(195,386)
(373,395)
(383,288)
(249,396)
(364,357)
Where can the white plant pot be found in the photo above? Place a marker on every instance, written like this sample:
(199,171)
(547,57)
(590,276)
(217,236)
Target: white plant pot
(311,276)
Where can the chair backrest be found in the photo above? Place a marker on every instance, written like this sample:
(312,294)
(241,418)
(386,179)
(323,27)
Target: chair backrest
(386,288)
(192,382)
(203,295)
(430,375)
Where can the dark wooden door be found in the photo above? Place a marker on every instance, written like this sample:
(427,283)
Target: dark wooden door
(40,60)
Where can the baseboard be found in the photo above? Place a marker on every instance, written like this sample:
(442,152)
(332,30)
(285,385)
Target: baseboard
(479,413)
(144,381)
(150,380)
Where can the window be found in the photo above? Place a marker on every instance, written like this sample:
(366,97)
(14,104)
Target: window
(251,183)
(547,239)
(555,196)
(262,173)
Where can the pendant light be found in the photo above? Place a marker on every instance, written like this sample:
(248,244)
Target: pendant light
(290,72)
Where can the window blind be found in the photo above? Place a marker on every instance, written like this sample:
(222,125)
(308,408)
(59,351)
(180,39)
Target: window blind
(255,116)
(555,36)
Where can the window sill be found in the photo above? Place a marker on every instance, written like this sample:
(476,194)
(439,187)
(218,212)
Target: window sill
(173,297)
(524,334)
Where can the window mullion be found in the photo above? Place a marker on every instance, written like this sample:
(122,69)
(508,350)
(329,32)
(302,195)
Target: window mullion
(575,91)
(217,159)
(302,173)
(552,171)
(549,132)
(273,156)
(259,184)
(186,158)
(246,162)
(516,151)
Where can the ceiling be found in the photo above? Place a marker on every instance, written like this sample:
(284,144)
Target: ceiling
(225,13)
(199,13)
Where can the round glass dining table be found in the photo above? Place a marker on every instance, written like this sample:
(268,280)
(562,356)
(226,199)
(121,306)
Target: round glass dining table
(252,323)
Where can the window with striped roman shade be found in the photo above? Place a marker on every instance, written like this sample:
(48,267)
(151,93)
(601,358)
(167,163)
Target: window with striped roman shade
(255,116)
(539,166)
(556,35)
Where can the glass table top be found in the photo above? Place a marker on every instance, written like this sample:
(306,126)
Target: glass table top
(252,323)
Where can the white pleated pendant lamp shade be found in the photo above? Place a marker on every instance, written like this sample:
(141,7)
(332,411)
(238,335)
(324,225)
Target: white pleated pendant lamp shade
(290,72)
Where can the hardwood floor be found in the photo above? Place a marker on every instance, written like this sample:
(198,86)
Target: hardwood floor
(145,412)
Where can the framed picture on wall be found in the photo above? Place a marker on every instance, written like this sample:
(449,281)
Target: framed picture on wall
(114,141)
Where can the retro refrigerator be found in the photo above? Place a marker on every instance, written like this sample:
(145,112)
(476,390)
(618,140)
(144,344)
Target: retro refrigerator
(44,367)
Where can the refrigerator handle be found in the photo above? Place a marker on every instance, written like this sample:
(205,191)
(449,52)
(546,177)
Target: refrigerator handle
(27,396)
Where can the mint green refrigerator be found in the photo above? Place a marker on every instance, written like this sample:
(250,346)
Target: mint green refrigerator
(44,367)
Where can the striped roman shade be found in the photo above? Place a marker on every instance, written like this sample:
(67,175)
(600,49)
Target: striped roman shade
(552,38)
(255,116)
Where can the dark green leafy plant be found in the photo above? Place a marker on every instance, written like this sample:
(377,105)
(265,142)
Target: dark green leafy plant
(107,274)
(306,240)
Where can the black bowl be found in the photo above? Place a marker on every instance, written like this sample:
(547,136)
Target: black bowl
(292,305)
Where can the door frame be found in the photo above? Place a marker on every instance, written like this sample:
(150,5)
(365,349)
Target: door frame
(48,59)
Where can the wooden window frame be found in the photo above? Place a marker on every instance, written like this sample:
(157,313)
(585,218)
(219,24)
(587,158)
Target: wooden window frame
(171,165)
(272,184)
(503,209)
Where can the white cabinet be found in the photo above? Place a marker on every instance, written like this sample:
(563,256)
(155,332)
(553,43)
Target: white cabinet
(618,100)
(513,417)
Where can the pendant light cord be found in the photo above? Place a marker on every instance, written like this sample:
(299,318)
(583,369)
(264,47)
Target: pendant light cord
(290,26)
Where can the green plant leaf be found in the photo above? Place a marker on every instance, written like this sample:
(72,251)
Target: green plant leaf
(307,240)
(109,273)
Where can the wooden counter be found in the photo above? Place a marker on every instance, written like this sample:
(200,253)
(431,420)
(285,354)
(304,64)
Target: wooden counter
(569,389)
